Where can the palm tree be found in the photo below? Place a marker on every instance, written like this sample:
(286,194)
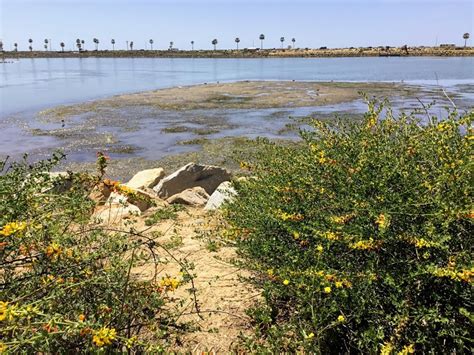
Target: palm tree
(1,46)
(282,39)
(16,46)
(192,45)
(96,41)
(62,46)
(466,37)
(237,40)
(131,45)
(262,38)
(113,44)
(214,43)
(151,44)
(293,40)
(78,44)
(171,45)
(46,44)
(30,41)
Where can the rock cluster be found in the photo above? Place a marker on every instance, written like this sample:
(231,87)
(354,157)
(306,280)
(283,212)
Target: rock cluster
(193,185)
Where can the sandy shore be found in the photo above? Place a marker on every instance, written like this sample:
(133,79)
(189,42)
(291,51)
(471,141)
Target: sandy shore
(279,53)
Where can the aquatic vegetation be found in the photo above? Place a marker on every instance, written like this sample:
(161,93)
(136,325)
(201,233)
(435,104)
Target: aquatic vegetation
(362,236)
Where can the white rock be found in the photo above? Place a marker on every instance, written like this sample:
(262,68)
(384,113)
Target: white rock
(225,192)
(196,196)
(191,175)
(114,213)
(146,178)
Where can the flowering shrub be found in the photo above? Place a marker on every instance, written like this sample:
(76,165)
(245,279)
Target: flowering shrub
(67,284)
(362,237)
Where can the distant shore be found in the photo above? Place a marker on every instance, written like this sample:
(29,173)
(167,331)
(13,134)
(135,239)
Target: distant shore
(254,53)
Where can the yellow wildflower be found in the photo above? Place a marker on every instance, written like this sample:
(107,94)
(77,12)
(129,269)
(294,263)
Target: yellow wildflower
(327,289)
(12,228)
(319,248)
(286,282)
(129,343)
(408,349)
(296,235)
(104,336)
(329,235)
(341,319)
(82,317)
(387,349)
(7,312)
(169,283)
(53,250)
(369,244)
(3,347)
(341,219)
(270,272)
(382,221)
(338,284)
(3,310)
(310,336)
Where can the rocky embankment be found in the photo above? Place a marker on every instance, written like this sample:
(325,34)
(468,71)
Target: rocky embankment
(323,52)
(193,185)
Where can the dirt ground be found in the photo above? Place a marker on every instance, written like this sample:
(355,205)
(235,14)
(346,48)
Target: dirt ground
(221,293)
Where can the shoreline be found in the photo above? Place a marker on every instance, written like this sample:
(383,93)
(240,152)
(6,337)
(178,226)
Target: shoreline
(246,53)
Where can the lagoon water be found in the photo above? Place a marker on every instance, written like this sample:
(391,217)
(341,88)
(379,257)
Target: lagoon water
(32,84)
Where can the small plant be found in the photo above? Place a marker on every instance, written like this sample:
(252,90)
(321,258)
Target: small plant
(168,212)
(68,284)
(362,237)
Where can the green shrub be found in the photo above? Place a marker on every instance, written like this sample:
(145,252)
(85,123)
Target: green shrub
(362,238)
(69,284)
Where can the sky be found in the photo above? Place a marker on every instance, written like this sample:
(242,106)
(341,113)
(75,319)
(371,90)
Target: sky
(313,23)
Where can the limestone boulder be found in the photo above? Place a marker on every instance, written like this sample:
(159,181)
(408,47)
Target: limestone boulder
(225,192)
(146,178)
(196,196)
(191,175)
(115,213)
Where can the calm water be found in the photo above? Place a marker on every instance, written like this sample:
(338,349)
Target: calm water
(32,84)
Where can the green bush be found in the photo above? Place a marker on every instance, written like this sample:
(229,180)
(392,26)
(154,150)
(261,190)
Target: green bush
(362,237)
(69,284)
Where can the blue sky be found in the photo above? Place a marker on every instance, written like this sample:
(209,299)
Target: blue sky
(332,23)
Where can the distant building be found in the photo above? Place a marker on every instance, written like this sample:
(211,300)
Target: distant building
(447,45)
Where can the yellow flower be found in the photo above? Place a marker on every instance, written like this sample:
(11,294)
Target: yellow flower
(270,272)
(408,349)
(369,244)
(104,336)
(7,312)
(387,349)
(169,283)
(296,235)
(3,310)
(327,289)
(53,250)
(286,282)
(12,227)
(129,343)
(310,336)
(319,248)
(338,284)
(82,317)
(341,319)
(382,221)
(3,347)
